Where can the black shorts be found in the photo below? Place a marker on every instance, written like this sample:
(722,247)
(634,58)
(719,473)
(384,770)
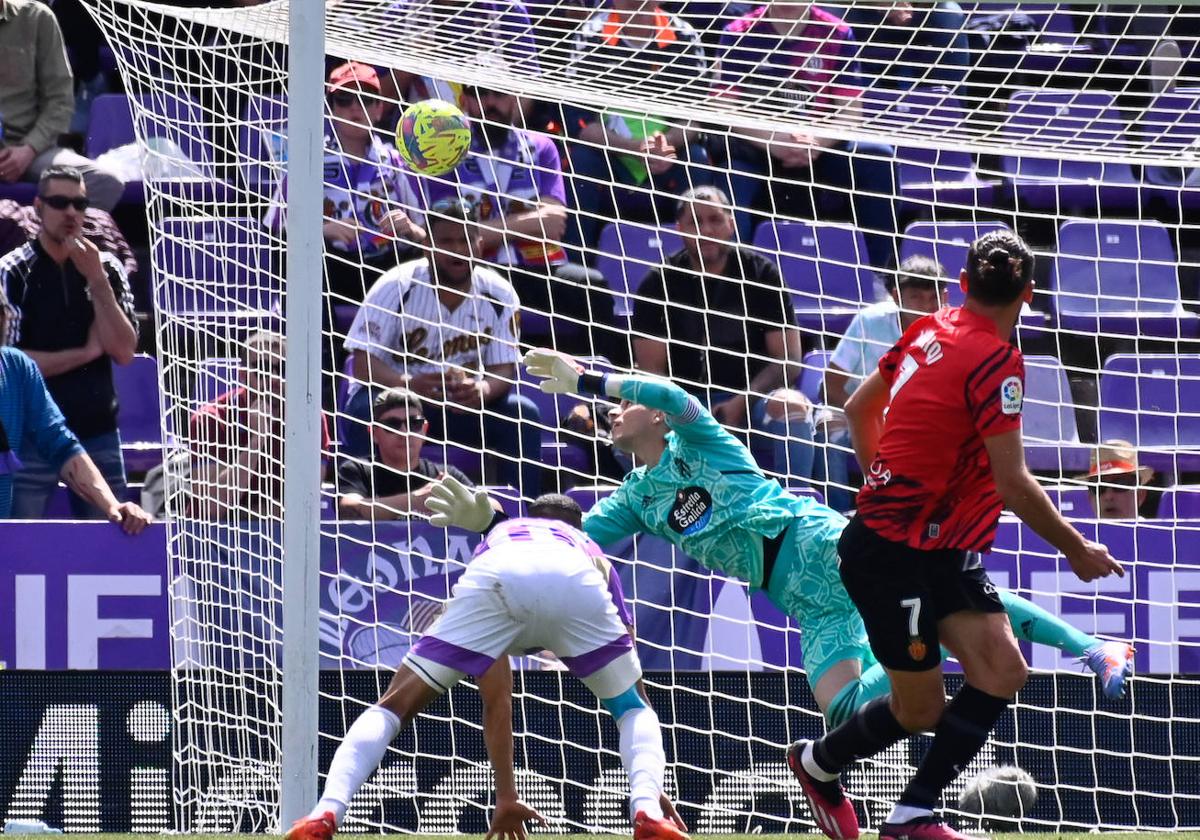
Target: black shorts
(903,592)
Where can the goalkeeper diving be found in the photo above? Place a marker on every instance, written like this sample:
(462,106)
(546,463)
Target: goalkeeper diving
(697,486)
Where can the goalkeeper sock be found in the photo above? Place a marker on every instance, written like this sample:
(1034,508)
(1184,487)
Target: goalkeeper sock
(357,757)
(642,755)
(960,735)
(857,693)
(1033,624)
(872,729)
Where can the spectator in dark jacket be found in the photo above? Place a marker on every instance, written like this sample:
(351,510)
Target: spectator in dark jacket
(74,318)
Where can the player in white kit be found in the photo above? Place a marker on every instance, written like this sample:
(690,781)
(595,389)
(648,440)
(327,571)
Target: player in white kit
(535,583)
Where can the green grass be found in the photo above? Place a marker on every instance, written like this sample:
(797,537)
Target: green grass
(1079,835)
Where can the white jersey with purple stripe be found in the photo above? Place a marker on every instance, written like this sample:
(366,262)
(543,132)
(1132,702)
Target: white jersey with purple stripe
(555,536)
(533,584)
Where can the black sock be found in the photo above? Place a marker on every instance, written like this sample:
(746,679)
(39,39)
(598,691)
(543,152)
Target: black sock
(960,735)
(870,730)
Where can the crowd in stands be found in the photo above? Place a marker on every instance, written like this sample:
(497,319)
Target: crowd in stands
(434,285)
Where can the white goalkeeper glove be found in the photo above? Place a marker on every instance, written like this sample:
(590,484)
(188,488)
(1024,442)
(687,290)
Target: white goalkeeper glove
(454,504)
(560,371)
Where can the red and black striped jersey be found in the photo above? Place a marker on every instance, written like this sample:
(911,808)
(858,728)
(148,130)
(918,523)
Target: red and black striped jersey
(954,382)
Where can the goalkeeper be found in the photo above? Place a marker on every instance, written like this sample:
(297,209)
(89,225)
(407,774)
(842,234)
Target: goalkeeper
(698,487)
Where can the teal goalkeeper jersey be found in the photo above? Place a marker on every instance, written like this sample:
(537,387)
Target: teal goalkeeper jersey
(707,496)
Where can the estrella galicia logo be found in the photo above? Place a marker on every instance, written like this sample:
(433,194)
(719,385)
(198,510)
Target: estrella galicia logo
(692,510)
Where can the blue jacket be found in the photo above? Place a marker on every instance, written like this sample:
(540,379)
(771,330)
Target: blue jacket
(26,408)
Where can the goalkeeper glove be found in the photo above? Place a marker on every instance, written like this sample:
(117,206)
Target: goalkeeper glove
(454,504)
(560,371)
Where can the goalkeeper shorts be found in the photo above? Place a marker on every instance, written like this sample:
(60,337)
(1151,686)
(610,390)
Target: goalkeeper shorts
(516,599)
(807,586)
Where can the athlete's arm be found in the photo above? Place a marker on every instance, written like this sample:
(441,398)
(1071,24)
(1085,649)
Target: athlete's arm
(1026,498)
(864,415)
(495,690)
(611,519)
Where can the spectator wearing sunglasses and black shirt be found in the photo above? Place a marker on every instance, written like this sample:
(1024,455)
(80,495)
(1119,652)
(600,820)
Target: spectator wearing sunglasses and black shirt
(74,316)
(396,482)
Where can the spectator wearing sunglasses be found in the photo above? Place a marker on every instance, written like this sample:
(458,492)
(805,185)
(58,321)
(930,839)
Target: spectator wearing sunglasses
(396,482)
(74,316)
(1118,484)
(372,215)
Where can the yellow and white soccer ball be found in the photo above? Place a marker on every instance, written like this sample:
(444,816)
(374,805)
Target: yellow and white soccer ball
(433,136)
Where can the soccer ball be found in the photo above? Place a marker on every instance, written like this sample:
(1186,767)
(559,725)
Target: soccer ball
(433,136)
(999,797)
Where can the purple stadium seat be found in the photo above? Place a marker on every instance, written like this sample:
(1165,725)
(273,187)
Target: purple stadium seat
(172,118)
(1180,502)
(628,252)
(588,494)
(1048,418)
(812,374)
(807,493)
(943,176)
(825,266)
(262,139)
(508,496)
(1071,120)
(20,192)
(1153,401)
(139,416)
(1071,501)
(1119,277)
(1173,121)
(210,265)
(948,243)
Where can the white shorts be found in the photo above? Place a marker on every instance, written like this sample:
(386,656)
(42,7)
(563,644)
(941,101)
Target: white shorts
(517,598)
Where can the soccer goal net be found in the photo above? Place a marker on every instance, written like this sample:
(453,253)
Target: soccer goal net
(835,162)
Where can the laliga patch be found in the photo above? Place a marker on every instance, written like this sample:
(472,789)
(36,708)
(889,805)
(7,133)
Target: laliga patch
(1012,395)
(692,510)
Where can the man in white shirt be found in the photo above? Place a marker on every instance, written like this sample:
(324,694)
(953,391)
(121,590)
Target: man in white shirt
(915,290)
(447,329)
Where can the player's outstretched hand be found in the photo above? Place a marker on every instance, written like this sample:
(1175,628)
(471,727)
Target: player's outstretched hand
(1093,561)
(455,504)
(509,818)
(560,371)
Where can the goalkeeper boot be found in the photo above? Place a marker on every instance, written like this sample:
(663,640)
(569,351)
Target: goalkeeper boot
(1112,663)
(830,808)
(648,828)
(923,828)
(312,828)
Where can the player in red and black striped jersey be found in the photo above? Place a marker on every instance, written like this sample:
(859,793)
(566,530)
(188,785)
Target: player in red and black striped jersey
(939,468)
(930,484)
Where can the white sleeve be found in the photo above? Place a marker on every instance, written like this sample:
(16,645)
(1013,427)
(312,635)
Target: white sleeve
(848,355)
(503,349)
(378,324)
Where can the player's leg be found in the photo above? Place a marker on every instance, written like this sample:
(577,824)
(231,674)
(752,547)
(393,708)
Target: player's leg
(1112,662)
(618,687)
(589,637)
(807,585)
(474,630)
(362,749)
(888,586)
(994,669)
(972,624)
